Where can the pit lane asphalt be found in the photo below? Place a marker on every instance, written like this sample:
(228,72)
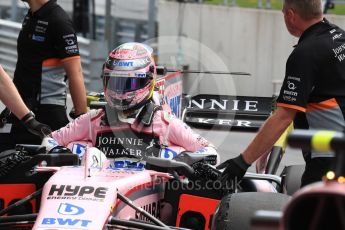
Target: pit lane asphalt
(230,143)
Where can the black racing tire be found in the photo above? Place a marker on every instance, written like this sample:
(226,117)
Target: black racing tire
(236,210)
(291,178)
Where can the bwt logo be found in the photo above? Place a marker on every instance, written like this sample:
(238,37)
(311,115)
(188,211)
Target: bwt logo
(70,209)
(140,75)
(66,222)
(123,63)
(167,153)
(79,149)
(127,165)
(70,190)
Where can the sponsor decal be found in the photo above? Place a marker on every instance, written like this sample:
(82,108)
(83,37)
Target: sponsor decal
(70,209)
(336,36)
(339,52)
(291,85)
(291,93)
(69,41)
(126,165)
(127,143)
(228,111)
(289,98)
(175,104)
(79,149)
(118,74)
(68,36)
(66,222)
(202,151)
(123,63)
(40,29)
(225,122)
(42,22)
(153,208)
(239,123)
(294,78)
(71,47)
(140,75)
(38,38)
(230,104)
(52,142)
(129,64)
(123,53)
(167,153)
(76,192)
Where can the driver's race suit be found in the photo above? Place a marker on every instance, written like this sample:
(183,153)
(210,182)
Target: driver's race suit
(163,136)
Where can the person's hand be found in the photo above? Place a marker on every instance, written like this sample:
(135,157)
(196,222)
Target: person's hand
(73,115)
(235,168)
(37,128)
(49,143)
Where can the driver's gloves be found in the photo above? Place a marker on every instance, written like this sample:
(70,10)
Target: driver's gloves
(235,169)
(35,127)
(49,143)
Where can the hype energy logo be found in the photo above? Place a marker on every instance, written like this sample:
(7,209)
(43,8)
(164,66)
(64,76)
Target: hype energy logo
(70,209)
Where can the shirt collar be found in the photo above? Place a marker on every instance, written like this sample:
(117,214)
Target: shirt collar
(312,29)
(45,9)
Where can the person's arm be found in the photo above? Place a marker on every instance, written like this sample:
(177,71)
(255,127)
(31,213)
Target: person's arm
(79,129)
(269,133)
(77,90)
(10,97)
(272,129)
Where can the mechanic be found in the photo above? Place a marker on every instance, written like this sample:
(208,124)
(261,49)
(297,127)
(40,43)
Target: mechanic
(47,53)
(134,124)
(10,97)
(313,91)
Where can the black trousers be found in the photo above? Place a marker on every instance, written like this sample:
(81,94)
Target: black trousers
(52,115)
(316,168)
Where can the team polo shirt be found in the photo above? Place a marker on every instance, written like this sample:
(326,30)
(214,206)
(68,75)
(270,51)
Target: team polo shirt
(46,40)
(315,77)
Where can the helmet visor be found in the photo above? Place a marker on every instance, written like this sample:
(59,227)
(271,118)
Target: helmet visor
(125,84)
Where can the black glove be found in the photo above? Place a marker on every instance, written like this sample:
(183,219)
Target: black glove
(235,168)
(38,128)
(34,126)
(73,115)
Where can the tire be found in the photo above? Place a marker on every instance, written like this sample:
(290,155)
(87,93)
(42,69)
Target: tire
(291,178)
(236,210)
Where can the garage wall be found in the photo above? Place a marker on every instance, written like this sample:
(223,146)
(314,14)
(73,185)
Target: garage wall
(250,40)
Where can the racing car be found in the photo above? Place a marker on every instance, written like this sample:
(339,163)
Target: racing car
(163,194)
(53,191)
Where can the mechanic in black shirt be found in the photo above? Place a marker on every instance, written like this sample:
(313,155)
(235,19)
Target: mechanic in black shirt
(48,55)
(314,84)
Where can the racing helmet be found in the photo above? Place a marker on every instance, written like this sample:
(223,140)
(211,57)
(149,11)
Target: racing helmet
(129,76)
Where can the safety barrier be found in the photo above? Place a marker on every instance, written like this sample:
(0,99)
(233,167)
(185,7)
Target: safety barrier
(92,54)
